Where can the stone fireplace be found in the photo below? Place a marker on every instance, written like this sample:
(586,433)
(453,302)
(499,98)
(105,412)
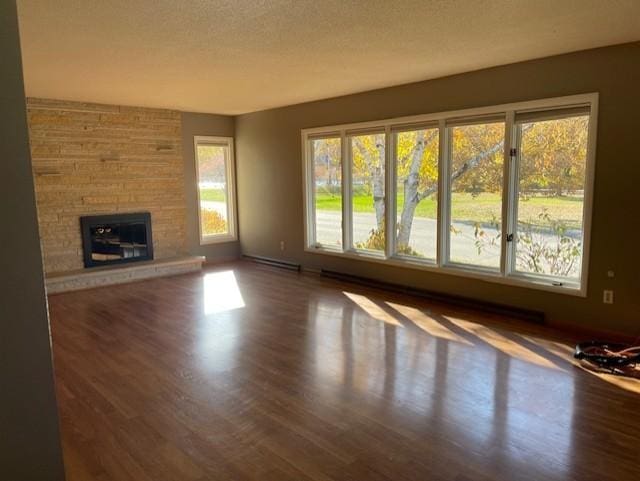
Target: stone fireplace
(92,160)
(94,166)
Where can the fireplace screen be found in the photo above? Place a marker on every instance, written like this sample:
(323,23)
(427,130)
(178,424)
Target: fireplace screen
(116,239)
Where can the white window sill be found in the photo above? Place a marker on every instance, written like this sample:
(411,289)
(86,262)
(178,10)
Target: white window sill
(484,274)
(218,239)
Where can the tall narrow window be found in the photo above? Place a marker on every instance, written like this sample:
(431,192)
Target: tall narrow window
(368,191)
(327,191)
(215,176)
(551,184)
(476,174)
(416,153)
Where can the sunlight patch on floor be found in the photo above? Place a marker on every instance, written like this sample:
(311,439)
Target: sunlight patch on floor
(502,343)
(627,383)
(427,323)
(221,292)
(371,308)
(564,352)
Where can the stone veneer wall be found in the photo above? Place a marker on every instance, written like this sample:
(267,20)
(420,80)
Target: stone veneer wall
(99,159)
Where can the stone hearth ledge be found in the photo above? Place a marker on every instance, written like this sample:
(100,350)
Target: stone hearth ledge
(109,275)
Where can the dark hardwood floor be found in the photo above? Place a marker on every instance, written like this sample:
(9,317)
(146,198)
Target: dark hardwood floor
(248,372)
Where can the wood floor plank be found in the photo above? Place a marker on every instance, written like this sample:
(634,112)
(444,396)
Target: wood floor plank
(246,372)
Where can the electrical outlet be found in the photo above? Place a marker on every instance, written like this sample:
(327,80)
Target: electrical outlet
(607,297)
(281,245)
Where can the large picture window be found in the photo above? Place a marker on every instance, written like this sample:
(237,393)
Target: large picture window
(501,193)
(216,198)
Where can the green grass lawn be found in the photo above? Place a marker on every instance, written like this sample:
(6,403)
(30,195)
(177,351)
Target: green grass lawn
(212,194)
(481,208)
(465,207)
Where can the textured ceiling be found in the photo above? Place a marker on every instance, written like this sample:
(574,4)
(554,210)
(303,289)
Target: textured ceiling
(236,56)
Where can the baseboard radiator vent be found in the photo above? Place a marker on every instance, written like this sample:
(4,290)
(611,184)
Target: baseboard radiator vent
(291,266)
(458,301)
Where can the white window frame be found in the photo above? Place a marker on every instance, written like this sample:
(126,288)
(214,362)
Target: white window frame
(445,211)
(392,219)
(310,180)
(514,186)
(507,273)
(349,189)
(232,232)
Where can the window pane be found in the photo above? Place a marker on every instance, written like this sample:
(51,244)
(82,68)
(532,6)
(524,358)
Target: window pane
(553,157)
(212,175)
(367,191)
(327,181)
(417,192)
(477,153)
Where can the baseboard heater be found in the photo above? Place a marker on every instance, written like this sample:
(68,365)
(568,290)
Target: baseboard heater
(292,266)
(458,301)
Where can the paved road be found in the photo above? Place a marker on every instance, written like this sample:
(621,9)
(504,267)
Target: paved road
(423,235)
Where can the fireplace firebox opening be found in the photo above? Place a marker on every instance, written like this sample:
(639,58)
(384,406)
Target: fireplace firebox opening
(116,239)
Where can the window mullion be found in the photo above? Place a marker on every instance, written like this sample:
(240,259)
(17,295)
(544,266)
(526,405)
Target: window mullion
(589,182)
(516,136)
(230,190)
(509,198)
(311,195)
(345,146)
(390,194)
(442,252)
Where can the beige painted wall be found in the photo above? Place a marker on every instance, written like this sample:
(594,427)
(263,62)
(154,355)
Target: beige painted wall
(270,176)
(203,124)
(29,437)
(93,159)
